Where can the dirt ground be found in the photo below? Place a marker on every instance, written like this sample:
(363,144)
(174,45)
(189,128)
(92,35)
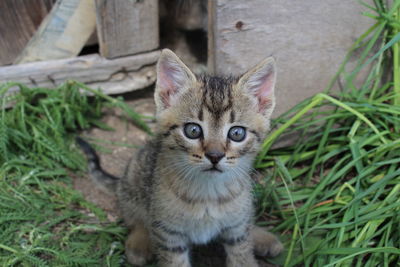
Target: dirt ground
(115,162)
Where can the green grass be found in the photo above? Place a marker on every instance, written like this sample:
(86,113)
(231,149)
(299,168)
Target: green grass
(43,221)
(333,195)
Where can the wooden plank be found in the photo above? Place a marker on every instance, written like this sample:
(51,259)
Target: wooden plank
(127,27)
(19,20)
(63,33)
(112,76)
(309,40)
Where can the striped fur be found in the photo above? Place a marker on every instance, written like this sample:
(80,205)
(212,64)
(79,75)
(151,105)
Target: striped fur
(169,192)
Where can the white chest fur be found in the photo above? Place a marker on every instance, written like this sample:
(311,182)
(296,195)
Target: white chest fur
(205,223)
(202,222)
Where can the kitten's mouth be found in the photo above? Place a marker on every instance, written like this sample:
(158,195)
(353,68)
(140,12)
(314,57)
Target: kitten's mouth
(213,169)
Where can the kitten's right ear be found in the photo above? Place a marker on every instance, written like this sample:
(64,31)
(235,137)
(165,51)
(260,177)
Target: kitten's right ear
(173,77)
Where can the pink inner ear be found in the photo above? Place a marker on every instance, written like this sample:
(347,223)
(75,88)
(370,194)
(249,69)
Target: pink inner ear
(167,84)
(165,99)
(264,92)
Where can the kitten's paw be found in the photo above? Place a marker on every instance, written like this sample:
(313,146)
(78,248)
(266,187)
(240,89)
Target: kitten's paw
(136,258)
(265,243)
(137,247)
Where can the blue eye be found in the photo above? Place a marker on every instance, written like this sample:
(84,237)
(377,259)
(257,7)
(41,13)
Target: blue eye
(192,130)
(237,133)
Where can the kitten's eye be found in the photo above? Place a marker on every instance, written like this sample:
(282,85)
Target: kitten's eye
(192,130)
(237,133)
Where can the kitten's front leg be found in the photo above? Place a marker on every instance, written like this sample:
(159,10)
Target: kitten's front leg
(265,243)
(138,247)
(170,245)
(239,247)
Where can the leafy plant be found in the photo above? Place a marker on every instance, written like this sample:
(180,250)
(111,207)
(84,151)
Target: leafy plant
(43,222)
(333,195)
(336,191)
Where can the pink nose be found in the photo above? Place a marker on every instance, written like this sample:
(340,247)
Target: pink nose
(214,156)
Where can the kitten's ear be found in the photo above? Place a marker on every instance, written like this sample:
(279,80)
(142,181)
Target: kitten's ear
(173,77)
(260,82)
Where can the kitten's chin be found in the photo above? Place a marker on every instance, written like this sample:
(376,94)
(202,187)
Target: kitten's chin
(213,169)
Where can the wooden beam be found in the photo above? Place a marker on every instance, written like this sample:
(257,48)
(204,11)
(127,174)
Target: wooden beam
(63,33)
(112,76)
(127,27)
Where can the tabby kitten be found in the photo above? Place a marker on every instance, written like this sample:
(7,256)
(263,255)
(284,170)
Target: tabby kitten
(191,183)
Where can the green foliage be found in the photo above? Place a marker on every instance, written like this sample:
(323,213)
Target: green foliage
(43,222)
(335,193)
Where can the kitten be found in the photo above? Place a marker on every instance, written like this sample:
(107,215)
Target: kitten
(191,183)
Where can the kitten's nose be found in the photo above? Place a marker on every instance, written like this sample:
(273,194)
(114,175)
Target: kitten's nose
(214,156)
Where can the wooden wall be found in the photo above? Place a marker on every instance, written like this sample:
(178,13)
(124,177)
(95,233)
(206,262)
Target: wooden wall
(309,40)
(19,20)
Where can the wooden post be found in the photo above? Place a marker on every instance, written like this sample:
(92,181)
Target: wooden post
(127,27)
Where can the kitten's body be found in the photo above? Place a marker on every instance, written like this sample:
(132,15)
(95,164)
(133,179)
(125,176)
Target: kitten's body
(179,190)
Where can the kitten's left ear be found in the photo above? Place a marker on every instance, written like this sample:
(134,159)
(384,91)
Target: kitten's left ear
(173,77)
(260,82)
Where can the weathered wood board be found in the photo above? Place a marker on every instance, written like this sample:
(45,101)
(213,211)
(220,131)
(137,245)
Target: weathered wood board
(127,27)
(309,40)
(18,22)
(112,76)
(63,33)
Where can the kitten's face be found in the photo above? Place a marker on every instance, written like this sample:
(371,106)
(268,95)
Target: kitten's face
(214,126)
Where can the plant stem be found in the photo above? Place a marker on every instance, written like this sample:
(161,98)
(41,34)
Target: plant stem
(270,139)
(396,65)
(355,112)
